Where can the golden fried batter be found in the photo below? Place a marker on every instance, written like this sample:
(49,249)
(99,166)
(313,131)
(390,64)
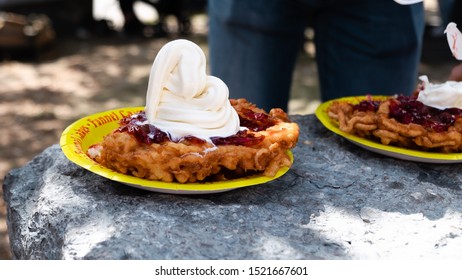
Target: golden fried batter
(378,125)
(187,161)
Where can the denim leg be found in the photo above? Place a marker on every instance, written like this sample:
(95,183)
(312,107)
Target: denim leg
(369,47)
(253,48)
(362,46)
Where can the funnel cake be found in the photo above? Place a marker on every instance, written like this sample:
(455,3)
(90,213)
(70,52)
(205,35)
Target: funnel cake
(401,121)
(140,149)
(191,131)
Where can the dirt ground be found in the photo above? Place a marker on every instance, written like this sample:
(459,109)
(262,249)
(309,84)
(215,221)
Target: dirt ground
(78,77)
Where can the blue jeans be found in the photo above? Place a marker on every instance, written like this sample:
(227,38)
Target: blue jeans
(362,46)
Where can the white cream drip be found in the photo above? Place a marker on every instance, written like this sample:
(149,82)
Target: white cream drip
(441,96)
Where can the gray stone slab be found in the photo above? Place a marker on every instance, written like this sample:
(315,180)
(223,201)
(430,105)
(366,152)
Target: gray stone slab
(338,201)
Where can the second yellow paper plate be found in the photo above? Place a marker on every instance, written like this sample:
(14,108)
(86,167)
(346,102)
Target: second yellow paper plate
(391,151)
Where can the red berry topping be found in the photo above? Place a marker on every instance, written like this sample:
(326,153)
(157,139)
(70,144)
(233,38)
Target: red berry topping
(146,133)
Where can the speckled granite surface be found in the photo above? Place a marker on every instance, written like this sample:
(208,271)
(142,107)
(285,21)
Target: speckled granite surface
(338,201)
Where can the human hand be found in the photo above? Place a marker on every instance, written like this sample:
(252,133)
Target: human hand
(456,73)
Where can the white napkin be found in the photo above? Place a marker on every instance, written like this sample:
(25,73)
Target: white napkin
(454,40)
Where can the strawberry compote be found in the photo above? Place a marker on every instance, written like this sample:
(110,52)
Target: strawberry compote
(146,133)
(407,109)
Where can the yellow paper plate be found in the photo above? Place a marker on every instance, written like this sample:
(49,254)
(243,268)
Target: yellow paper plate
(391,151)
(79,136)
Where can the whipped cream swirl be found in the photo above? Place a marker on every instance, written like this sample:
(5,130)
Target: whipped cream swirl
(183,100)
(441,96)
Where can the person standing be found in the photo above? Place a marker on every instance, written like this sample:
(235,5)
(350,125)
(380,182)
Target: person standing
(362,46)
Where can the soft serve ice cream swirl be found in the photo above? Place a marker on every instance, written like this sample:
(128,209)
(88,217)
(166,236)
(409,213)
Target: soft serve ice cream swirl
(183,100)
(441,96)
